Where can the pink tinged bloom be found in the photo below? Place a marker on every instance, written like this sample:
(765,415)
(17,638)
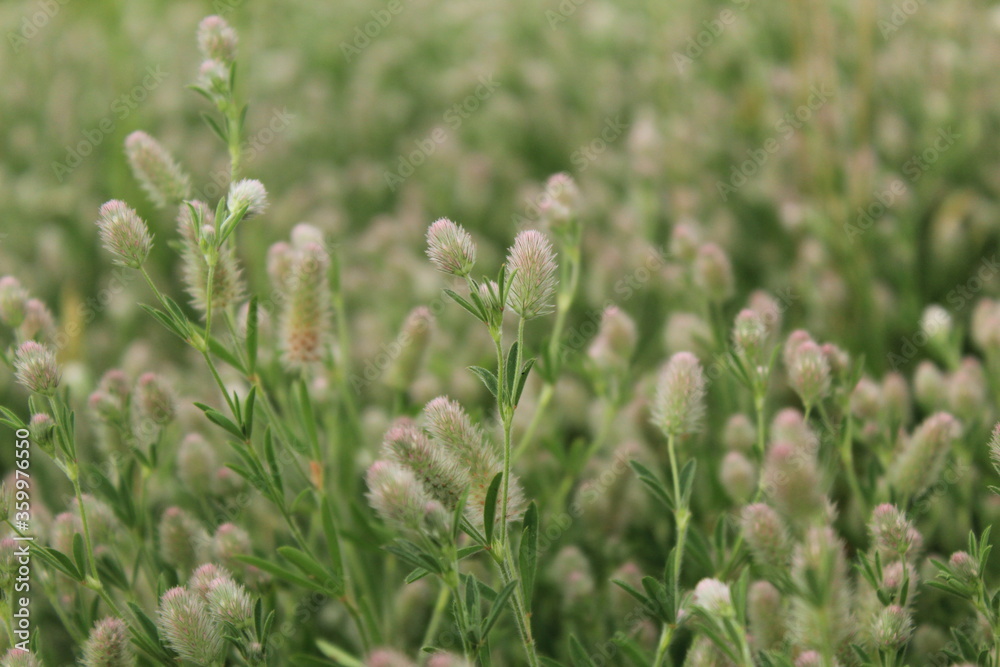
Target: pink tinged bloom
(13,301)
(248,194)
(809,373)
(156,170)
(188,627)
(35,368)
(109,645)
(921,459)
(713,272)
(531,266)
(124,234)
(450,248)
(216,39)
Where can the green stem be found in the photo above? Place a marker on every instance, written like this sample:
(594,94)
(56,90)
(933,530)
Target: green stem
(662,646)
(548,389)
(439,608)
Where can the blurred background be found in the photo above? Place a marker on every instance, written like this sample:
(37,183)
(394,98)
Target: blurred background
(843,153)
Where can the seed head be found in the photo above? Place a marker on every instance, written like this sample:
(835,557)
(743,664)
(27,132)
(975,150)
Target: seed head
(13,300)
(684,241)
(38,322)
(892,628)
(158,173)
(248,193)
(124,234)
(182,539)
(154,399)
(615,341)
(196,463)
(16,657)
(893,535)
(738,476)
(188,627)
(452,430)
(713,273)
(109,645)
(450,248)
(920,461)
(443,479)
(229,603)
(809,373)
(766,615)
(793,484)
(561,203)
(739,434)
(766,535)
(413,341)
(929,386)
(36,369)
(42,429)
(679,404)
(750,338)
(193,222)
(968,393)
(532,267)
(216,40)
(306,325)
(229,542)
(965,567)
(866,400)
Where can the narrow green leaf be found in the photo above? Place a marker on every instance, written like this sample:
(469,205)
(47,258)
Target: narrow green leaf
(579,654)
(528,551)
(465,304)
(687,481)
(212,123)
(282,573)
(522,380)
(332,541)
(498,605)
(221,420)
(490,509)
(488,378)
(216,347)
(251,340)
(79,552)
(510,374)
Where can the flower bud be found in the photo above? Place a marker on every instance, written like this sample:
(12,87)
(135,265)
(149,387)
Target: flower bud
(229,542)
(158,173)
(968,394)
(766,615)
(194,222)
(892,628)
(896,398)
(920,461)
(450,248)
(229,603)
(769,312)
(766,535)
(792,482)
(739,435)
(412,342)
(154,399)
(571,574)
(892,533)
(38,322)
(249,194)
(441,477)
(109,645)
(792,343)
(398,497)
(16,657)
(182,539)
(713,273)
(43,430)
(985,328)
(965,568)
(738,477)
(531,265)
(13,301)
(189,629)
(930,386)
(684,242)
(809,373)
(936,322)
(714,597)
(202,578)
(196,463)
(809,659)
(838,360)
(749,339)
(216,40)
(387,657)
(124,234)
(561,203)
(866,400)
(679,404)
(615,342)
(36,369)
